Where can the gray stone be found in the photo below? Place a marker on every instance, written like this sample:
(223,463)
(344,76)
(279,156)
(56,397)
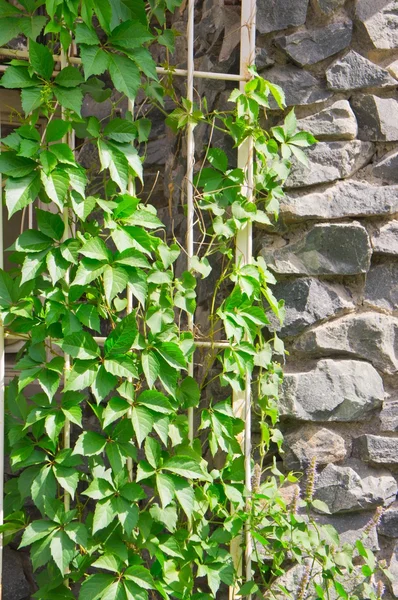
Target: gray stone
(355,72)
(328,7)
(300,86)
(387,168)
(379,20)
(389,416)
(385,239)
(388,525)
(355,487)
(328,161)
(334,122)
(263,60)
(308,442)
(352,527)
(370,336)
(335,390)
(309,300)
(273,15)
(393,569)
(341,200)
(313,45)
(15,584)
(377,118)
(381,287)
(376,449)
(334,248)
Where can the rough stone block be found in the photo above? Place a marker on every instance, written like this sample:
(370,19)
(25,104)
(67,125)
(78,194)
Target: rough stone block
(309,300)
(387,168)
(336,390)
(334,122)
(328,161)
(15,584)
(328,7)
(388,525)
(393,569)
(370,336)
(376,449)
(313,45)
(273,15)
(263,60)
(381,287)
(355,487)
(341,200)
(355,72)
(300,86)
(379,21)
(389,416)
(335,248)
(308,442)
(377,118)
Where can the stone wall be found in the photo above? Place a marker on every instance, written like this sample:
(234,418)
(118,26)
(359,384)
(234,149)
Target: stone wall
(335,253)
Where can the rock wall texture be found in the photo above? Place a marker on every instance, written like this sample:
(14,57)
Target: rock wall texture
(335,253)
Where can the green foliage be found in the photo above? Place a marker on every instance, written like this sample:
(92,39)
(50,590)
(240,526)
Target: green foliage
(133,509)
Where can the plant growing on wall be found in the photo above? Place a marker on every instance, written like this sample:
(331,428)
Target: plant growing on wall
(131,509)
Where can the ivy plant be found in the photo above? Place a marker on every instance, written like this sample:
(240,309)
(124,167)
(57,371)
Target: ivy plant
(131,509)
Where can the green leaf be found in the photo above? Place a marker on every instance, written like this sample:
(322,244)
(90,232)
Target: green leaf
(142,421)
(68,478)
(95,586)
(129,35)
(69,98)
(185,466)
(89,443)
(32,241)
(165,487)
(156,401)
(188,392)
(18,78)
(88,271)
(41,59)
(16,166)
(115,409)
(320,506)
(69,77)
(95,248)
(145,62)
(80,345)
(218,159)
(122,337)
(81,375)
(104,515)
(125,75)
(116,162)
(95,61)
(115,281)
(85,35)
(121,366)
(152,452)
(172,354)
(185,495)
(9,28)
(120,130)
(37,530)
(6,289)
(31,98)
(56,186)
(88,315)
(141,576)
(150,366)
(103,384)
(21,192)
(50,224)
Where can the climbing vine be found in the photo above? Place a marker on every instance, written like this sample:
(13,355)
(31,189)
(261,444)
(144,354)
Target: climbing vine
(131,509)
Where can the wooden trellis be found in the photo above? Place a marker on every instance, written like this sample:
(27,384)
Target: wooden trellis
(243,251)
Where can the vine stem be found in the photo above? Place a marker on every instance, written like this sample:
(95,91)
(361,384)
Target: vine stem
(189,181)
(131,190)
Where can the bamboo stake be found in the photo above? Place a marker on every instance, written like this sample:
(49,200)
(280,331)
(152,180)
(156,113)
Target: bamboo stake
(189,180)
(243,255)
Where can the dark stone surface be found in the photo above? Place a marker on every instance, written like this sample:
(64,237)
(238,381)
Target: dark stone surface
(355,487)
(263,59)
(273,15)
(377,118)
(386,169)
(300,87)
(328,161)
(311,46)
(15,584)
(340,249)
(335,390)
(370,336)
(352,527)
(388,525)
(328,7)
(343,199)
(309,300)
(354,72)
(381,288)
(376,449)
(310,441)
